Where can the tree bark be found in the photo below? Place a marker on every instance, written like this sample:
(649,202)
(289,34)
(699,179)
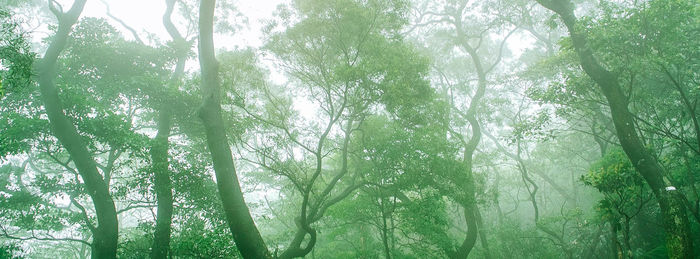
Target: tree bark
(482,69)
(245,233)
(678,239)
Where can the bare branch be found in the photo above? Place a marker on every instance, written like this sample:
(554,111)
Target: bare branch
(84,213)
(120,21)
(5,234)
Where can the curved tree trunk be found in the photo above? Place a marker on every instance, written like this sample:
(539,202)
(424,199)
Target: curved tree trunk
(105,235)
(245,233)
(678,239)
(472,233)
(470,146)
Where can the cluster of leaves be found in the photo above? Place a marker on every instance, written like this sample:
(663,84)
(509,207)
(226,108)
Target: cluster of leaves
(16,58)
(10,251)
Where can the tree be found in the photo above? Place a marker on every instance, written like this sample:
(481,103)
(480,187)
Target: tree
(106,233)
(679,242)
(625,194)
(243,229)
(469,33)
(349,71)
(159,149)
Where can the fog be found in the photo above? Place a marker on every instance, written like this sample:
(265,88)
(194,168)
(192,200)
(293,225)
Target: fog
(349,129)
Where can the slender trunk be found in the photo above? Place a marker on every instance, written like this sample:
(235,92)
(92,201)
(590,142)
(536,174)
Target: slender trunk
(159,152)
(482,235)
(385,233)
(626,236)
(496,202)
(469,202)
(600,136)
(392,227)
(678,238)
(295,250)
(105,235)
(163,186)
(469,149)
(602,145)
(615,244)
(530,185)
(246,235)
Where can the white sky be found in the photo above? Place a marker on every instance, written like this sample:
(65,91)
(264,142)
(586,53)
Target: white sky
(146,16)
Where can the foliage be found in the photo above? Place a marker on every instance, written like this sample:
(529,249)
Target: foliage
(10,251)
(16,58)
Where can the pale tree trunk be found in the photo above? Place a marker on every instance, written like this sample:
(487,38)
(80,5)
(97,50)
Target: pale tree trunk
(678,239)
(245,233)
(626,238)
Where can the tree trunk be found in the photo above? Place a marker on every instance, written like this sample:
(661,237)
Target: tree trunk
(615,243)
(472,233)
(626,236)
(105,235)
(385,231)
(245,233)
(163,186)
(678,239)
(482,235)
(469,148)
(159,151)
